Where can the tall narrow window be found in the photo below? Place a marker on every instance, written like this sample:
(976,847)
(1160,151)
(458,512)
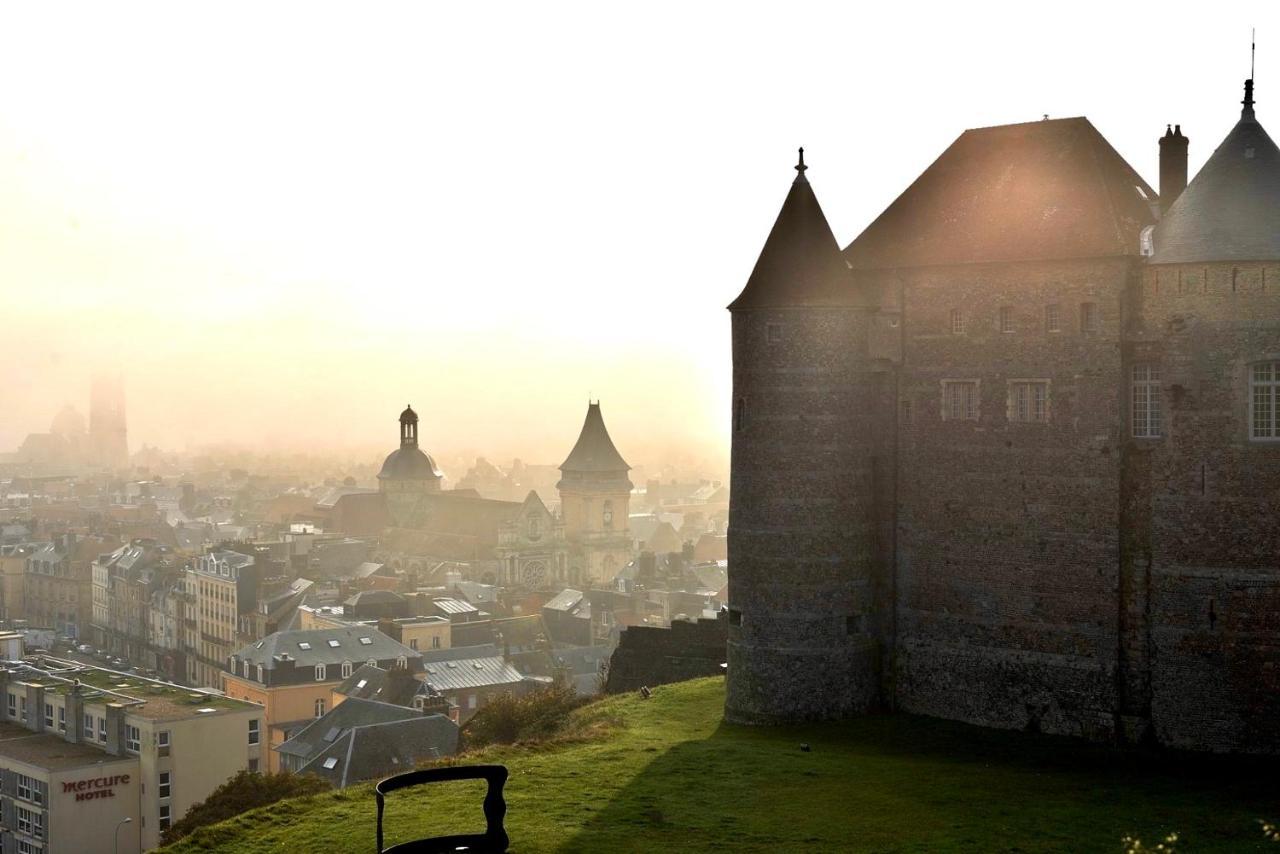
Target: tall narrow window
(773,332)
(1148,419)
(319,708)
(1052,318)
(1089,318)
(957,322)
(1006,319)
(1029,401)
(1264,401)
(739,413)
(959,400)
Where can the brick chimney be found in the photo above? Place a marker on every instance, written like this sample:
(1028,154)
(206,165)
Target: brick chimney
(1173,166)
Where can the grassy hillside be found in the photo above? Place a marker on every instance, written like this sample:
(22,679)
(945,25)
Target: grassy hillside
(670,776)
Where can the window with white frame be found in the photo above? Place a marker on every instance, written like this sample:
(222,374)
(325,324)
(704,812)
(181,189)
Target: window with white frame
(959,400)
(87,732)
(253,731)
(1148,419)
(1006,319)
(320,672)
(48,715)
(166,784)
(165,817)
(13,705)
(1029,401)
(25,847)
(259,672)
(1052,318)
(62,718)
(132,738)
(1264,401)
(402,662)
(29,789)
(1089,323)
(319,708)
(346,669)
(102,730)
(30,822)
(957,321)
(162,742)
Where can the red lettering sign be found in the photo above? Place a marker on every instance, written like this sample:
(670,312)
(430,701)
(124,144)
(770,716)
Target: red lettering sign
(95,787)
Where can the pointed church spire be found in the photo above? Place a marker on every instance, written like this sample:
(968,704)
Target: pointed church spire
(1247,112)
(800,167)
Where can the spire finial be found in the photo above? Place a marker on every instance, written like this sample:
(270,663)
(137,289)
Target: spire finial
(800,167)
(1248,84)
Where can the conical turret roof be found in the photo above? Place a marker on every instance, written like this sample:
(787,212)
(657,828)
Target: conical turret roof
(801,264)
(594,452)
(1231,210)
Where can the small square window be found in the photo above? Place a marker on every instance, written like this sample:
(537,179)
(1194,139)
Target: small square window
(366,641)
(333,644)
(330,763)
(773,332)
(304,645)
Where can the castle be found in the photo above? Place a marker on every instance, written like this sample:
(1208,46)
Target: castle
(1012,457)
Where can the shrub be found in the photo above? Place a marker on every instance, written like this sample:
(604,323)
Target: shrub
(243,792)
(538,716)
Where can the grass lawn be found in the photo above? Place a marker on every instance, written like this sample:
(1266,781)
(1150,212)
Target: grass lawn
(672,777)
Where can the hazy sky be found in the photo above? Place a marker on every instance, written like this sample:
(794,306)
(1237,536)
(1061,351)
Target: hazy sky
(285,222)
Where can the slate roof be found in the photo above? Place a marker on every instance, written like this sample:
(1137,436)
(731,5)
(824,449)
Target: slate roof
(362,739)
(800,264)
(1052,189)
(1231,209)
(368,598)
(373,683)
(594,451)
(567,600)
(379,750)
(471,673)
(318,649)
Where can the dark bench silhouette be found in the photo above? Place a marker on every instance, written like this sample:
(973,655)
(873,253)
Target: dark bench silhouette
(494,839)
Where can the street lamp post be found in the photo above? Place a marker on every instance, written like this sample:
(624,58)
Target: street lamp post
(116,834)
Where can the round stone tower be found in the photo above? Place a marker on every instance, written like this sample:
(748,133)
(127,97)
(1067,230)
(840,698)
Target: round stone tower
(802,552)
(408,473)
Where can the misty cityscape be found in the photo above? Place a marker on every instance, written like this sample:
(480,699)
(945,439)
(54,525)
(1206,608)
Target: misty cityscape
(435,433)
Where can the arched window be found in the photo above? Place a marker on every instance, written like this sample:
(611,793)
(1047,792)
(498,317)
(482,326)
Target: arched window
(535,528)
(402,662)
(319,708)
(607,515)
(320,672)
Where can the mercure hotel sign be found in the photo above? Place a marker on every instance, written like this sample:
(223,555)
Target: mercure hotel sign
(95,787)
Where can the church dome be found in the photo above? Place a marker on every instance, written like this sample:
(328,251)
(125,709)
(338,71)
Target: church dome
(409,463)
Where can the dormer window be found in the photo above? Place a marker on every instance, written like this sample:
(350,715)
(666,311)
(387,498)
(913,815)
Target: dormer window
(1146,243)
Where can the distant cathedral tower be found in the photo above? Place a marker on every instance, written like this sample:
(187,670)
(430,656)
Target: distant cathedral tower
(802,541)
(408,473)
(595,501)
(108,437)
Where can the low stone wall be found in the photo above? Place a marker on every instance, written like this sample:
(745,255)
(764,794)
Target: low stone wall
(647,655)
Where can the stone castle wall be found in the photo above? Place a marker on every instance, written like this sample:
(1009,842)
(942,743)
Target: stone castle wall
(649,655)
(1060,576)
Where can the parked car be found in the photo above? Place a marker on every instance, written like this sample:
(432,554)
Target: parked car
(84,649)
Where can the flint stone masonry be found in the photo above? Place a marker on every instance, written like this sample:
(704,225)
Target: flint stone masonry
(1057,573)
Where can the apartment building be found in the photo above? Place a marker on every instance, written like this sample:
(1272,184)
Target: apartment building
(82,749)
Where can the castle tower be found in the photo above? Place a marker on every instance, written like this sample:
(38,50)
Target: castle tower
(1205,378)
(595,503)
(803,616)
(108,437)
(408,473)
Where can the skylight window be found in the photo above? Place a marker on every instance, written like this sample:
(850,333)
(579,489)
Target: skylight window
(361,684)
(331,763)
(332,733)
(366,641)
(334,644)
(304,645)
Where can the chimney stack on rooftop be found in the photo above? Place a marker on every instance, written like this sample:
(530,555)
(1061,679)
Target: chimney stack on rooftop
(1173,166)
